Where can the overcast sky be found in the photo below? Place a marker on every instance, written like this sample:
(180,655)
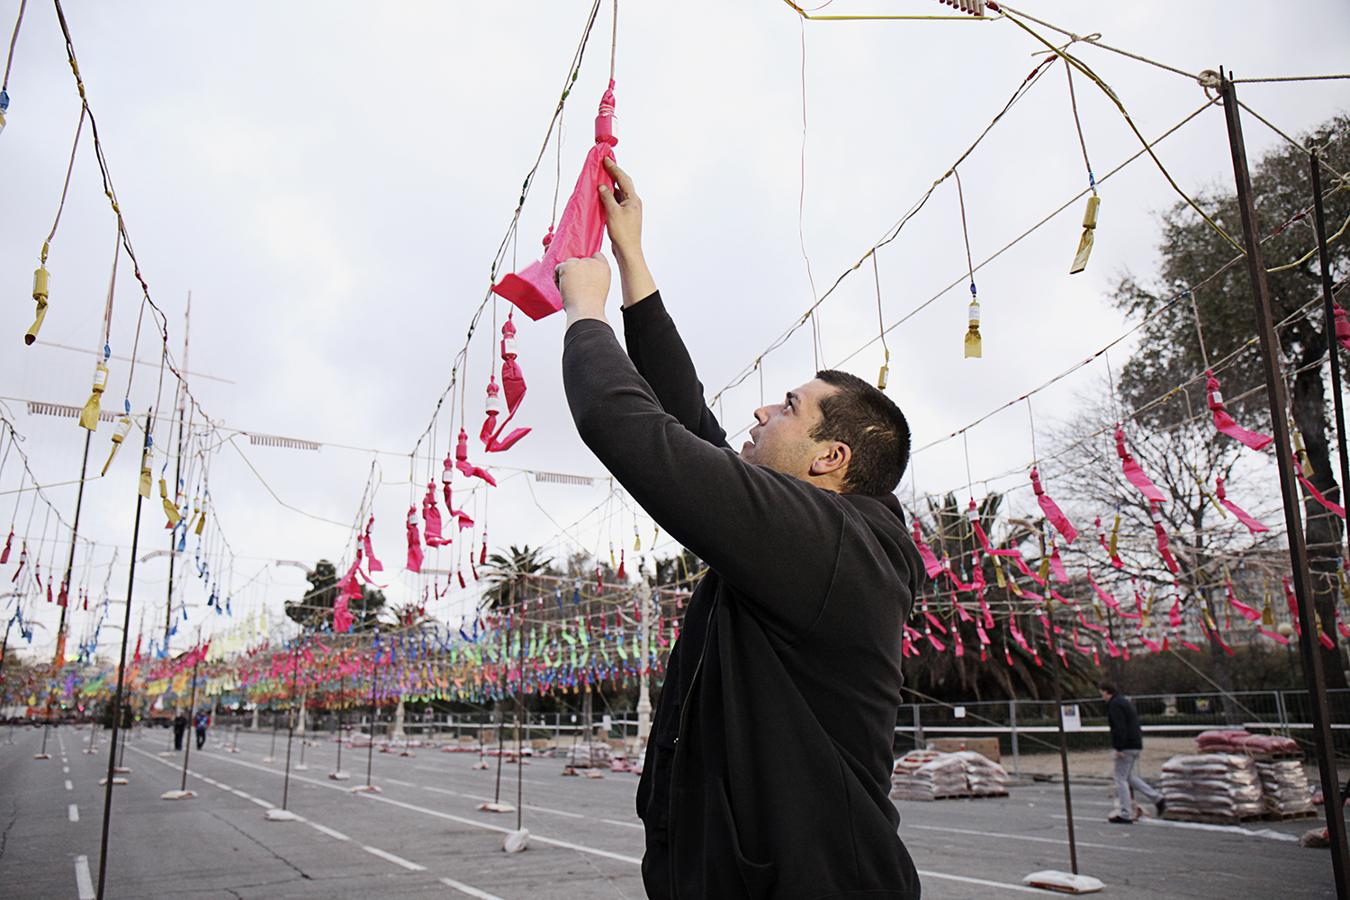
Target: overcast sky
(330,181)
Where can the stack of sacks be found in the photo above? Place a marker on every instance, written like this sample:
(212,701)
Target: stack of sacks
(586,756)
(928,775)
(985,777)
(1243,742)
(1223,785)
(1284,785)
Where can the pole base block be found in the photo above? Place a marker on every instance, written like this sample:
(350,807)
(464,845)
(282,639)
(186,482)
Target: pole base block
(116,780)
(276,814)
(516,841)
(338,776)
(177,795)
(169,752)
(301,768)
(570,771)
(481,765)
(269,759)
(494,807)
(42,756)
(121,770)
(1063,882)
(366,789)
(593,773)
(231,749)
(87,751)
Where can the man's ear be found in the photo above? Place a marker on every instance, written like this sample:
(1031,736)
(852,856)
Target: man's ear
(833,458)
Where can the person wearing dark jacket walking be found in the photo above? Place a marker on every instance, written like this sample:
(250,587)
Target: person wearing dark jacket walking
(768,771)
(1127,740)
(180,724)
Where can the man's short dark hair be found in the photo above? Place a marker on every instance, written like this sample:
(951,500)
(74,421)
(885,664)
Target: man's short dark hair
(1107,687)
(873,427)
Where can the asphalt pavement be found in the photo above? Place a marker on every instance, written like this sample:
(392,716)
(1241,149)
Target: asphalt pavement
(422,834)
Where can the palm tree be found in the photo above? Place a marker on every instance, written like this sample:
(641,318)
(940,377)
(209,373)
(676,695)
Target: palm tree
(508,569)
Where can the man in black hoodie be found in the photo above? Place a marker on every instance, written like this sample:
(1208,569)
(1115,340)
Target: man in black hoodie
(1127,742)
(769,766)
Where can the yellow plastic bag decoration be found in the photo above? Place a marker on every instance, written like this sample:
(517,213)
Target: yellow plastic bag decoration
(89,415)
(884,375)
(1080,259)
(974,343)
(169,509)
(120,435)
(144,488)
(40,280)
(1267,612)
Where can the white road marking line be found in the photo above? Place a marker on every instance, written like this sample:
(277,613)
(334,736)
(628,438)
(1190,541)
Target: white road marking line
(83,882)
(329,831)
(637,825)
(224,787)
(471,891)
(69,786)
(74,813)
(263,803)
(981,881)
(1023,837)
(396,860)
(1268,833)
(400,783)
(568,845)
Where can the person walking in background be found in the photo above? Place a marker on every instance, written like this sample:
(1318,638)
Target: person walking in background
(1127,740)
(180,724)
(202,721)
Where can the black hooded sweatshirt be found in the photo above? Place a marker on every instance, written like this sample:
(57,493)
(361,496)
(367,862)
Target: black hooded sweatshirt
(769,766)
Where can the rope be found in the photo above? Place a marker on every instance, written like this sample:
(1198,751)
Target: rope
(14,39)
(965,232)
(1077,124)
(65,186)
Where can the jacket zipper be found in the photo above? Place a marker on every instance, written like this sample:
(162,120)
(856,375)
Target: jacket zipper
(684,714)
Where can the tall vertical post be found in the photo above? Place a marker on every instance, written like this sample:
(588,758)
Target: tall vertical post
(290,724)
(1329,323)
(1298,550)
(70,560)
(1053,645)
(644,703)
(121,670)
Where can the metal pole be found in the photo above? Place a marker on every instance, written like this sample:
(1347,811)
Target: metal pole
(1298,551)
(192,707)
(1064,750)
(342,690)
(370,747)
(180,397)
(520,717)
(1012,719)
(121,667)
(74,537)
(290,725)
(1329,322)
(644,703)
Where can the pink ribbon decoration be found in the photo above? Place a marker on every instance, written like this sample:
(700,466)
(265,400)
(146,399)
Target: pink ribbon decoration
(513,386)
(1154,646)
(1342,325)
(930,562)
(1110,601)
(414,541)
(342,617)
(1057,566)
(961,610)
(462,460)
(932,639)
(490,434)
(458,515)
(1340,626)
(374,564)
(1333,508)
(1134,474)
(431,515)
(986,613)
(1174,614)
(1325,639)
(1161,534)
(580,229)
(1253,525)
(9,542)
(958,645)
(1291,600)
(1274,636)
(1214,634)
(1225,422)
(973,514)
(955,578)
(1051,509)
(1242,609)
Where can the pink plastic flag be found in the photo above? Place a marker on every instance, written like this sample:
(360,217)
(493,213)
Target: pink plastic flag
(1161,533)
(1057,565)
(1134,474)
(342,618)
(374,564)
(491,432)
(462,460)
(973,514)
(1253,525)
(1291,600)
(1225,422)
(1274,636)
(414,563)
(9,542)
(580,229)
(930,562)
(1242,609)
(431,514)
(1110,601)
(1051,509)
(513,390)
(1333,508)
(1101,539)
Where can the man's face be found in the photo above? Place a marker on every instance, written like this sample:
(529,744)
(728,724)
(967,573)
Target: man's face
(1105,696)
(781,437)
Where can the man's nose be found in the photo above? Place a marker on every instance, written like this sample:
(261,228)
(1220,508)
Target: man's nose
(762,415)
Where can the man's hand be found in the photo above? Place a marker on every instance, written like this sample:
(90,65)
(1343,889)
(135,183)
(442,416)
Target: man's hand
(623,218)
(584,284)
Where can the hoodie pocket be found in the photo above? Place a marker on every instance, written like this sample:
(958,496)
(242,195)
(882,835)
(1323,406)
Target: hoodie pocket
(759,877)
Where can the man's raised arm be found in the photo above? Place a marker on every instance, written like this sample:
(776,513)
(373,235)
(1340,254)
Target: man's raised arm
(654,345)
